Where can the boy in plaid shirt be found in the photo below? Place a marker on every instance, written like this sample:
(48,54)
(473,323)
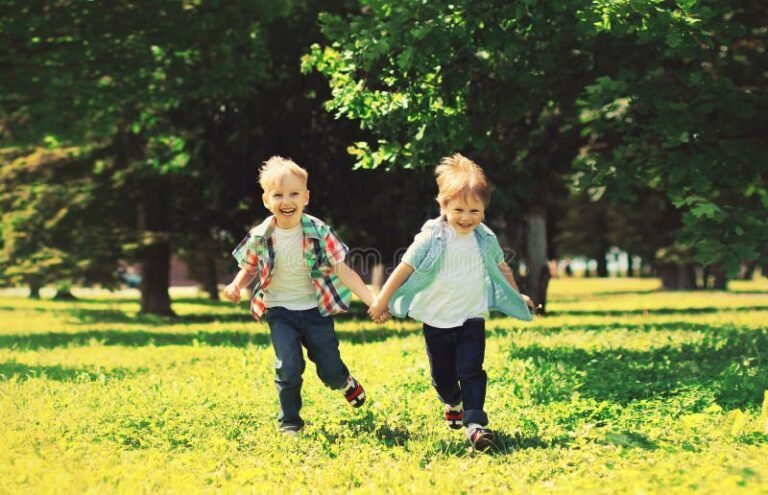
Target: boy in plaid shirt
(301,281)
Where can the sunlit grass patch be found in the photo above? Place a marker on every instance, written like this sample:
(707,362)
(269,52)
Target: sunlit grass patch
(622,388)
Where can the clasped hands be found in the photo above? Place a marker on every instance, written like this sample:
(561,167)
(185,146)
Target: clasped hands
(378,311)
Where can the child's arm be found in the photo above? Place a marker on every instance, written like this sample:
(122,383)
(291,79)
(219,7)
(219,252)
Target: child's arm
(242,279)
(400,275)
(352,280)
(507,272)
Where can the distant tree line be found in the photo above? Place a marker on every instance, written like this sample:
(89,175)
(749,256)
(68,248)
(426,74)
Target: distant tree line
(133,131)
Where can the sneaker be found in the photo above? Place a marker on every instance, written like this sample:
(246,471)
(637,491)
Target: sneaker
(480,438)
(354,392)
(290,430)
(454,415)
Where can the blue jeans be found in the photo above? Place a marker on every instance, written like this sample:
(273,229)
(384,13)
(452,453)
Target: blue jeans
(456,362)
(289,330)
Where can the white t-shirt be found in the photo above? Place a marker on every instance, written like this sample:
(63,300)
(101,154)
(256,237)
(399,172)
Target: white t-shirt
(458,292)
(291,285)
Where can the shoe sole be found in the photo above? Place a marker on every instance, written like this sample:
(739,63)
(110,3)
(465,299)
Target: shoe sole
(357,397)
(483,442)
(290,430)
(454,419)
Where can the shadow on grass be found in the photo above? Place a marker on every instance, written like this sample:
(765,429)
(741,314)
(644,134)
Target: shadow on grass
(89,315)
(366,423)
(24,372)
(657,311)
(641,292)
(358,312)
(669,326)
(140,338)
(131,339)
(507,443)
(730,366)
(504,444)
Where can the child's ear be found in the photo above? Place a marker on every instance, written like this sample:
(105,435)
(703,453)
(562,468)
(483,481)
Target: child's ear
(264,200)
(307,196)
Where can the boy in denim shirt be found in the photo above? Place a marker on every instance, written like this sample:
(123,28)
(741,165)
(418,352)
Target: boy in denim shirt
(302,280)
(451,275)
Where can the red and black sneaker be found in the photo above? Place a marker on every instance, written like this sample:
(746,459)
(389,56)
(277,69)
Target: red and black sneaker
(454,416)
(354,392)
(480,438)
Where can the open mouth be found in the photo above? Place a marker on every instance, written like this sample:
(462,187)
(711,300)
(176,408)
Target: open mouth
(287,211)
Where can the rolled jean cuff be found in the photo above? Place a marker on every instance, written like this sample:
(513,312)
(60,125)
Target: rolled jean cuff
(477,416)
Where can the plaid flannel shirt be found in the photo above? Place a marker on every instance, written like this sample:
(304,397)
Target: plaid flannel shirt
(322,249)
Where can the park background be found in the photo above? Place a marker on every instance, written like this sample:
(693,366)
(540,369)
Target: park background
(130,138)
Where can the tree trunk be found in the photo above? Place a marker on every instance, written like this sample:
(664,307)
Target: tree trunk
(211,283)
(677,277)
(34,290)
(377,276)
(602,265)
(538,267)
(510,235)
(155,280)
(64,294)
(630,265)
(720,281)
(748,271)
(154,231)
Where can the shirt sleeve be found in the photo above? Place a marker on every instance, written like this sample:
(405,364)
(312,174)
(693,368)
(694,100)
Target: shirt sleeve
(335,250)
(417,250)
(245,254)
(497,254)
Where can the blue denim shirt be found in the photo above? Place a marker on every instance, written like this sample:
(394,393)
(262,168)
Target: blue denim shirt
(425,256)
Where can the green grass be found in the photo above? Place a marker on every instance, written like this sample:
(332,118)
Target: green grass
(623,388)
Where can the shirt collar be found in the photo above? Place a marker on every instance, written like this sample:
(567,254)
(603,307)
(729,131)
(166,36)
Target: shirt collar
(265,228)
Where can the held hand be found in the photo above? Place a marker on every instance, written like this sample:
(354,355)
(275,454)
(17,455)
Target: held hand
(528,301)
(232,292)
(376,310)
(385,316)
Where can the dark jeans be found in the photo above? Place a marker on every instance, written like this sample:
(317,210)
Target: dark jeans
(289,330)
(456,361)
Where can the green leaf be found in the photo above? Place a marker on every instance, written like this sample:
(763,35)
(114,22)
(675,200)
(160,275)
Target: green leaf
(706,210)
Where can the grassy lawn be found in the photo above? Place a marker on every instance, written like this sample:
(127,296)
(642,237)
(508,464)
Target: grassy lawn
(623,388)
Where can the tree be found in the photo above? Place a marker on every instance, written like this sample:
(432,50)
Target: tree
(677,104)
(51,221)
(667,95)
(498,81)
(584,230)
(98,75)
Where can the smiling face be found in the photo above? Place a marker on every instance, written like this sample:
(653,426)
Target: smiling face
(286,200)
(464,214)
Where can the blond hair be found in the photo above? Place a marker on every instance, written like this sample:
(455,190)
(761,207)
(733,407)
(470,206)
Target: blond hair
(458,176)
(277,167)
